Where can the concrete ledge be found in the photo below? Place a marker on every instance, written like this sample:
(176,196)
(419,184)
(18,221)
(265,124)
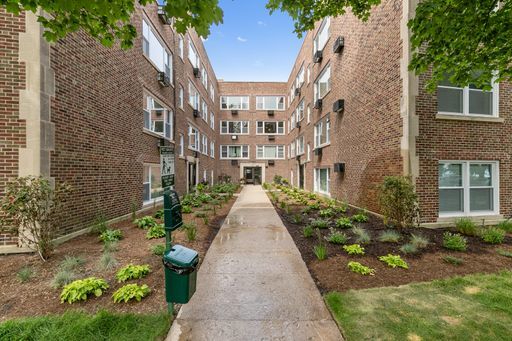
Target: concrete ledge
(11,249)
(450,221)
(470,118)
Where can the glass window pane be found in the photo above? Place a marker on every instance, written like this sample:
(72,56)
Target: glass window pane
(449,100)
(451,200)
(270,152)
(156,182)
(270,128)
(480,102)
(450,175)
(480,175)
(481,199)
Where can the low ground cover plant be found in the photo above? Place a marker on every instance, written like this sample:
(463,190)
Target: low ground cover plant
(336,237)
(326,213)
(362,236)
(360,269)
(145,222)
(344,223)
(186,209)
(504,253)
(25,274)
(354,249)
(111,235)
(466,226)
(66,271)
(159,214)
(493,235)
(297,219)
(394,261)
(453,260)
(390,236)
(409,248)
(419,241)
(361,217)
(81,289)
(204,216)
(308,231)
(505,225)
(107,261)
(190,231)
(155,232)
(320,224)
(131,292)
(454,241)
(132,272)
(158,250)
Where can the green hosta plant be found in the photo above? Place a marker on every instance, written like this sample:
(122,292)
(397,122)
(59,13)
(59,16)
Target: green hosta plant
(360,269)
(159,214)
(186,209)
(79,290)
(326,213)
(354,249)
(320,224)
(394,261)
(360,217)
(314,206)
(344,223)
(130,292)
(132,272)
(155,232)
(109,236)
(454,241)
(493,235)
(145,222)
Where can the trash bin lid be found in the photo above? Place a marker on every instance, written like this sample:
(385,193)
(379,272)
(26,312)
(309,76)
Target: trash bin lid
(181,256)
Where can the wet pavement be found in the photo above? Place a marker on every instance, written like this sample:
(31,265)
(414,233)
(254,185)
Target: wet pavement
(253,284)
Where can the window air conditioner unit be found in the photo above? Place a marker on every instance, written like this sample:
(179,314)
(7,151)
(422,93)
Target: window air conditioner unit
(317,58)
(338,45)
(234,137)
(338,106)
(271,162)
(297,125)
(271,138)
(297,158)
(318,151)
(195,112)
(297,92)
(234,162)
(318,104)
(270,112)
(196,154)
(163,79)
(197,73)
(339,167)
(163,16)
(234,112)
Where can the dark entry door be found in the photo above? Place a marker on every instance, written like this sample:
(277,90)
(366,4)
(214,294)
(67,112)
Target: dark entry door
(191,176)
(301,176)
(257,175)
(249,175)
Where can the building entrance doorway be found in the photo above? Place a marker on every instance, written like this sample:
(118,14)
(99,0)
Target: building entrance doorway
(301,176)
(252,175)
(192,176)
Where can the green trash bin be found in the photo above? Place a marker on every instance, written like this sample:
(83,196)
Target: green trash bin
(180,274)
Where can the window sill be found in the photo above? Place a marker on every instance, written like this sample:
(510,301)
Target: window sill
(443,116)
(443,222)
(152,133)
(149,203)
(322,146)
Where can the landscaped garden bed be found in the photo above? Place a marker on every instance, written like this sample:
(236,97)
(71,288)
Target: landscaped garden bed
(31,287)
(321,227)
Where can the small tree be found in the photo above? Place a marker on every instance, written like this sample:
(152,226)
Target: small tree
(33,208)
(398,201)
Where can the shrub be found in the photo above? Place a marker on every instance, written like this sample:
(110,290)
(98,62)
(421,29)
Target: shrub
(132,272)
(360,269)
(409,248)
(344,223)
(454,241)
(308,231)
(111,246)
(326,213)
(80,289)
(190,231)
(159,214)
(130,292)
(337,237)
(504,253)
(354,249)
(505,225)
(390,236)
(32,202)
(320,224)
(466,226)
(297,218)
(99,225)
(362,236)
(360,217)
(62,277)
(25,274)
(145,222)
(158,250)
(314,206)
(111,235)
(107,261)
(453,260)
(419,241)
(204,216)
(320,251)
(394,261)
(398,201)
(155,232)
(186,209)
(493,235)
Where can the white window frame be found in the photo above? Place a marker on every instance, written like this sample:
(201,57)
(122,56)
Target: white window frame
(212,149)
(181,96)
(193,56)
(244,103)
(308,117)
(465,101)
(168,118)
(261,103)
(182,146)
(323,30)
(260,152)
(322,128)
(225,127)
(325,71)
(151,199)
(242,147)
(308,155)
(204,144)
(149,35)
(180,46)
(212,120)
(204,111)
(466,187)
(260,127)
(300,145)
(300,111)
(193,131)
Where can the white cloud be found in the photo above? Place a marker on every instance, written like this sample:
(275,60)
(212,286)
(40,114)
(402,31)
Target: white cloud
(262,23)
(242,40)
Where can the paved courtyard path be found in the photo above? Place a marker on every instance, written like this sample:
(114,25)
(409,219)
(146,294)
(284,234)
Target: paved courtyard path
(253,283)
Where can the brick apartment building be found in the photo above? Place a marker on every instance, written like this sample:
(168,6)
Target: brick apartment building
(349,114)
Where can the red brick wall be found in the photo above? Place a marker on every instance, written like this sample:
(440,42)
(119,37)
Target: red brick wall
(12,80)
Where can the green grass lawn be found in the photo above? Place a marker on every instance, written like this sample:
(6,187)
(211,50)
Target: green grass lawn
(84,327)
(475,307)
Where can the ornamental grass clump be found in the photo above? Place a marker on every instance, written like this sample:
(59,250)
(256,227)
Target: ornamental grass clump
(454,241)
(362,235)
(336,237)
(390,236)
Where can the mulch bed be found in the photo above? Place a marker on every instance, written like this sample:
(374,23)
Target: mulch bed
(37,297)
(332,274)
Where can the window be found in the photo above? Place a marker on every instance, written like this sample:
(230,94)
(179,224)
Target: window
(212,93)
(292,149)
(204,77)
(204,112)
(299,80)
(234,127)
(193,138)
(212,120)
(180,46)
(300,111)
(270,128)
(309,114)
(193,96)
(322,180)
(323,132)
(212,149)
(322,36)
(152,182)
(309,74)
(270,152)
(308,156)
(155,50)
(468,188)
(292,123)
(182,146)
(234,152)
(300,145)
(234,102)
(181,97)
(204,145)
(157,118)
(323,83)
(270,103)
(192,54)
(467,101)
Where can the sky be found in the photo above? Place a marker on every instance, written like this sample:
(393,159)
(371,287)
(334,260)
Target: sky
(251,44)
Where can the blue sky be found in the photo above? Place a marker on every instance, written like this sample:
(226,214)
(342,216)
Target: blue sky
(251,44)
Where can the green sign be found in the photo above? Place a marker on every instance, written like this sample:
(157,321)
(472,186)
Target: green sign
(172,211)
(167,166)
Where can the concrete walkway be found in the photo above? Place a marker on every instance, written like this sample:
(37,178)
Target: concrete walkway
(253,284)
